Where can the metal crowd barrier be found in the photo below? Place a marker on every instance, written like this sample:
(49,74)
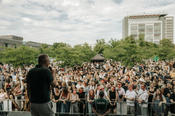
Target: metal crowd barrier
(122,108)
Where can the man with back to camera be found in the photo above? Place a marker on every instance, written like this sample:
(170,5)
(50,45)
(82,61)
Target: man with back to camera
(39,80)
(101,106)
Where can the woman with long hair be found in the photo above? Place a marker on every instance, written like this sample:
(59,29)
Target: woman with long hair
(26,103)
(17,92)
(158,100)
(90,99)
(64,97)
(55,98)
(15,106)
(112,95)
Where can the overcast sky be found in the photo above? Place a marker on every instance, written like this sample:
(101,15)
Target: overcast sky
(73,21)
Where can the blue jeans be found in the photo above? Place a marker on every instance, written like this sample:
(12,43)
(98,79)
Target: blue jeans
(144,111)
(64,107)
(90,109)
(157,108)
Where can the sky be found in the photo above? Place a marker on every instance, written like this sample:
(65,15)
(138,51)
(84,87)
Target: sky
(73,21)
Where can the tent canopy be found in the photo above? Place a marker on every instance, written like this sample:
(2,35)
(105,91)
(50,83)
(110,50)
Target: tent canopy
(98,58)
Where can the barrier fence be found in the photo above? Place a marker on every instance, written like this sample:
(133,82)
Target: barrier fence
(83,108)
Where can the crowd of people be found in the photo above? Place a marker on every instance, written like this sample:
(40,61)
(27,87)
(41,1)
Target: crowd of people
(146,89)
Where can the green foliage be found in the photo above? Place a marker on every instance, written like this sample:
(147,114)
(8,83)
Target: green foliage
(19,56)
(166,50)
(129,51)
(100,46)
(46,49)
(71,56)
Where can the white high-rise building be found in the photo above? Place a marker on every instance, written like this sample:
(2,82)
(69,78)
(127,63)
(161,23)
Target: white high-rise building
(154,27)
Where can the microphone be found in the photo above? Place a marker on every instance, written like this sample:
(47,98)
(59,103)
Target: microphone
(50,68)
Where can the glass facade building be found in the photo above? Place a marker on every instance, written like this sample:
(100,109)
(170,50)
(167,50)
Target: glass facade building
(153,27)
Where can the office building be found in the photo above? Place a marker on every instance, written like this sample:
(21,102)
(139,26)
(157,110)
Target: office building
(154,27)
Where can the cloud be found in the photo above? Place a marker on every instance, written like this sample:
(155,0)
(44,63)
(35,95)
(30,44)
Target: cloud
(73,21)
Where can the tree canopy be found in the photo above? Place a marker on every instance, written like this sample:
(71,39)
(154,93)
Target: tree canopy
(129,51)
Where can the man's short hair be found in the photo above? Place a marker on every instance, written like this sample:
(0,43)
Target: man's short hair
(42,58)
(101,94)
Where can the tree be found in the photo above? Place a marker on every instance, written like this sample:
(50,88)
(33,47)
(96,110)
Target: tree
(20,56)
(128,51)
(114,50)
(125,51)
(166,49)
(100,46)
(71,56)
(147,49)
(132,55)
(46,49)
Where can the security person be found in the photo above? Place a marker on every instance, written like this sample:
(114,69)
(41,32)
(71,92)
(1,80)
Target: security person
(101,106)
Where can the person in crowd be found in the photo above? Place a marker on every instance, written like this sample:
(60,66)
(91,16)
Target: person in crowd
(113,99)
(82,98)
(2,80)
(92,85)
(15,106)
(130,99)
(167,105)
(3,96)
(120,97)
(101,106)
(150,99)
(142,99)
(80,85)
(172,102)
(26,103)
(64,98)
(158,100)
(55,99)
(74,99)
(141,82)
(90,100)
(101,88)
(167,90)
(97,77)
(8,85)
(18,94)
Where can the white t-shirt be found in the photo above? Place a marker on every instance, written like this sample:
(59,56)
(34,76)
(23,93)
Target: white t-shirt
(130,94)
(121,91)
(2,96)
(144,96)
